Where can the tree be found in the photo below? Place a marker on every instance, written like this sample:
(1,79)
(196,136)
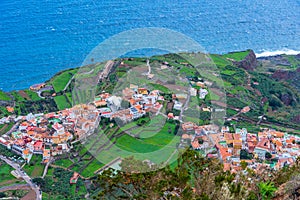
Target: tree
(268,155)
(244,165)
(245,155)
(200,140)
(2,195)
(266,190)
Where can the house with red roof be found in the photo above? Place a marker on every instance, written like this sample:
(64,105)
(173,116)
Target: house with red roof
(74,178)
(38,147)
(263,146)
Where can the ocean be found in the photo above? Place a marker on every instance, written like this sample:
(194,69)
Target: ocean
(41,38)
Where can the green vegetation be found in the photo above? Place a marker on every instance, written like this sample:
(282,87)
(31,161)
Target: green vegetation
(277,100)
(237,56)
(6,176)
(39,106)
(7,152)
(62,102)
(4,96)
(135,62)
(5,128)
(267,190)
(17,96)
(193,177)
(14,193)
(294,62)
(89,171)
(69,97)
(159,87)
(58,186)
(35,167)
(32,95)
(219,60)
(60,80)
(63,163)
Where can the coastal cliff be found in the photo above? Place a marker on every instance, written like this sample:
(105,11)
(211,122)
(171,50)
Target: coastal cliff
(248,63)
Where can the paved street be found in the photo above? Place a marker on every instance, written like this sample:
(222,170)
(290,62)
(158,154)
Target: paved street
(24,176)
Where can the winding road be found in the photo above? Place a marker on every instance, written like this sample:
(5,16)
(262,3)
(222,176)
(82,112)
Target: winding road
(22,174)
(186,104)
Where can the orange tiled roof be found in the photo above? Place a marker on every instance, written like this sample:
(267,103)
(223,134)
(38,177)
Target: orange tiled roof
(264,144)
(195,144)
(228,136)
(46,153)
(278,143)
(100,103)
(26,151)
(186,136)
(224,153)
(10,109)
(171,115)
(226,167)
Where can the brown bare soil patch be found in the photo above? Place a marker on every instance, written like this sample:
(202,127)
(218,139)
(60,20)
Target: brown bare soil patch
(29,196)
(24,95)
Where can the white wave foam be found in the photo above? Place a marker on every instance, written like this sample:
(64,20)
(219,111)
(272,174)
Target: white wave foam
(278,52)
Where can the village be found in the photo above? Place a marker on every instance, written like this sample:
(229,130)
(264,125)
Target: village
(53,133)
(267,149)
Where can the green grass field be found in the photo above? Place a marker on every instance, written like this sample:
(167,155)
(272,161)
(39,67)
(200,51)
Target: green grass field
(160,88)
(34,168)
(148,130)
(63,162)
(69,96)
(4,96)
(149,144)
(6,177)
(62,102)
(91,168)
(17,96)
(238,56)
(135,62)
(220,61)
(187,71)
(32,95)
(159,146)
(60,81)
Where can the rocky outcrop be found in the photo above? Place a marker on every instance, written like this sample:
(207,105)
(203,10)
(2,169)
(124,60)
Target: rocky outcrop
(248,63)
(281,75)
(291,76)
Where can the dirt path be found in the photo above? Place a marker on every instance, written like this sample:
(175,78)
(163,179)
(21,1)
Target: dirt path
(8,182)
(46,168)
(24,95)
(15,187)
(3,128)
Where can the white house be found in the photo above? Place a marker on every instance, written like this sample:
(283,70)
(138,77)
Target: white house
(177,105)
(203,93)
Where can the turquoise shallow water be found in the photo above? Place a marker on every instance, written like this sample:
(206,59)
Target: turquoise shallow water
(40,38)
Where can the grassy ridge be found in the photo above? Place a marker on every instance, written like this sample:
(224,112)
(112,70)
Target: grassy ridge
(4,96)
(60,81)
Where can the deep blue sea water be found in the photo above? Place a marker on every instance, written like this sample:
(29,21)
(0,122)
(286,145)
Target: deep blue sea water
(40,38)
